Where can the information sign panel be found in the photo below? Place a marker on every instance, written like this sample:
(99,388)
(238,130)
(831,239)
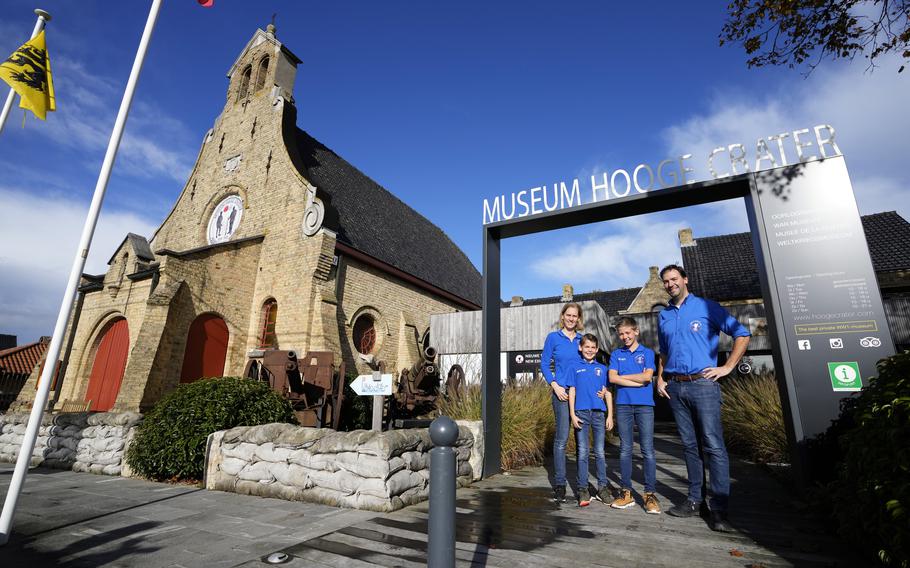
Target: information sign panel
(831,325)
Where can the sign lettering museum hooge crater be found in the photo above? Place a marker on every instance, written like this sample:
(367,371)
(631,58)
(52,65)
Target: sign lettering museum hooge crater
(723,161)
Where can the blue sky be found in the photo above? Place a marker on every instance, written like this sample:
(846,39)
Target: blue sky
(444,105)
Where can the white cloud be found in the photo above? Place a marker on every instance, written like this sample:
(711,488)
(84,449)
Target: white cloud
(868,111)
(35,265)
(621,258)
(155,144)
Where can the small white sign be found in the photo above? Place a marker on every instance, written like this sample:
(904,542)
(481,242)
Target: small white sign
(365,385)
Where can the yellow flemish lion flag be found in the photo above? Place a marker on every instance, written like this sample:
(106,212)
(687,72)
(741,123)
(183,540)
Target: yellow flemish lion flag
(28,72)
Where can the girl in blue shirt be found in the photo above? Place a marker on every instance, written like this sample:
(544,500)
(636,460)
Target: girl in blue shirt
(562,352)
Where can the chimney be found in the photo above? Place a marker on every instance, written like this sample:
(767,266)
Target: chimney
(654,275)
(567,292)
(516,301)
(685,238)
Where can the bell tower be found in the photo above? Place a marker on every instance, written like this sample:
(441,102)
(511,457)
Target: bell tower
(264,67)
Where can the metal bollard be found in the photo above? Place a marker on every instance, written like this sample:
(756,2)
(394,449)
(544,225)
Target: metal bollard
(441,550)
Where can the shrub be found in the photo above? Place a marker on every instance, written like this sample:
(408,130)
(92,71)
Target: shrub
(527,421)
(356,410)
(871,494)
(753,419)
(170,441)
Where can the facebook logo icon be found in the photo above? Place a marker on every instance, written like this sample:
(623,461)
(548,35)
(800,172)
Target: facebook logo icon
(804,344)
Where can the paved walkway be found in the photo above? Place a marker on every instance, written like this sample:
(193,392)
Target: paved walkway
(72,519)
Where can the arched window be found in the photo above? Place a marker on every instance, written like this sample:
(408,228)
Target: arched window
(245,83)
(657,308)
(365,334)
(261,73)
(267,337)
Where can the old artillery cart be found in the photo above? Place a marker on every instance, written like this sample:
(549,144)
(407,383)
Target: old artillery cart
(418,388)
(312,385)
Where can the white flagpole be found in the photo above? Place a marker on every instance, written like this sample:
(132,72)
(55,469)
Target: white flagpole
(39,25)
(53,352)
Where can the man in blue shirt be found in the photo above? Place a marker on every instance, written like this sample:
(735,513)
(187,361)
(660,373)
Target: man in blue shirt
(687,374)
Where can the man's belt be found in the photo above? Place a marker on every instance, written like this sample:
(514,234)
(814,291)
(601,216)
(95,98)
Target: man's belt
(685,378)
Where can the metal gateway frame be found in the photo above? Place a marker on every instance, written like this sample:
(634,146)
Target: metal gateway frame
(801,415)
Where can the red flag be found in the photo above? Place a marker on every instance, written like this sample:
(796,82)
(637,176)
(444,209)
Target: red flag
(206,3)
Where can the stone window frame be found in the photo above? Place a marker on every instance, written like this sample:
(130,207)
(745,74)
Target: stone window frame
(378,325)
(244,88)
(269,310)
(262,71)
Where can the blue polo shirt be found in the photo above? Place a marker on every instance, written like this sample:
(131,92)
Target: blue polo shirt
(562,351)
(689,334)
(626,362)
(588,378)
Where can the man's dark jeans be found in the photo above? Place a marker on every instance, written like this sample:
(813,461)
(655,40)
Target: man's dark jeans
(643,416)
(696,408)
(561,413)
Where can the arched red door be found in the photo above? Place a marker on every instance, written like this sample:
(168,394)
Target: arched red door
(206,349)
(108,367)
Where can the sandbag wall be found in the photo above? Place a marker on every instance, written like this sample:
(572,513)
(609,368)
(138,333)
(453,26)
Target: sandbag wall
(375,471)
(80,441)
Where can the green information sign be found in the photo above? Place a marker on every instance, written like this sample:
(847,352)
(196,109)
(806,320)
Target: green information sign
(845,376)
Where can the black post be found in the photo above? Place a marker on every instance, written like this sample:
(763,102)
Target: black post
(491,403)
(441,550)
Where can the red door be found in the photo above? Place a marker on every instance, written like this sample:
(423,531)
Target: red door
(206,349)
(108,367)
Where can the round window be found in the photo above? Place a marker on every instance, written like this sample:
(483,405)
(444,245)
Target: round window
(365,334)
(225,219)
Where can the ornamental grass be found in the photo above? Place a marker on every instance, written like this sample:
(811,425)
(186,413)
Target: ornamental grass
(528,426)
(753,419)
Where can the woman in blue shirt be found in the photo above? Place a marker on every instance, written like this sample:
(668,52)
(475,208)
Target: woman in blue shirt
(560,352)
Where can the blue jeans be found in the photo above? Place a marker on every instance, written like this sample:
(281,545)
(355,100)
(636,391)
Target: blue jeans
(643,416)
(561,412)
(595,421)
(696,408)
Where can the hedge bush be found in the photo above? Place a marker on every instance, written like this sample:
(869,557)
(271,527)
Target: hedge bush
(170,441)
(753,419)
(870,496)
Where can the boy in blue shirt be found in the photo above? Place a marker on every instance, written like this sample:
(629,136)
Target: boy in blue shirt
(591,408)
(631,370)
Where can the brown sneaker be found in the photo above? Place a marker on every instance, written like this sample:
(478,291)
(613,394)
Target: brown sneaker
(624,501)
(652,505)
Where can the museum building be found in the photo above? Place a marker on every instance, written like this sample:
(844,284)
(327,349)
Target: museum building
(275,242)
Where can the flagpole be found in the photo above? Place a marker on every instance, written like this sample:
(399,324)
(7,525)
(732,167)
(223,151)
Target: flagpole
(43,17)
(53,352)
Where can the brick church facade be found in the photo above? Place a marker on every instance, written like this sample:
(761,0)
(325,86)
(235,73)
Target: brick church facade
(274,242)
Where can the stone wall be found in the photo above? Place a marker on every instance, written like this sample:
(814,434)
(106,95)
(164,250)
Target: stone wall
(80,441)
(375,471)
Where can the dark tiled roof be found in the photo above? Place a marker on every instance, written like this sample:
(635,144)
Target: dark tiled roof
(140,245)
(612,301)
(723,267)
(21,360)
(370,219)
(888,236)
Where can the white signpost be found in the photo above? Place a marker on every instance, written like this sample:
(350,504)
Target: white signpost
(376,385)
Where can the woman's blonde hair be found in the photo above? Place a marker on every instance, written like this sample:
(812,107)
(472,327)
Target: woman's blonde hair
(580,326)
